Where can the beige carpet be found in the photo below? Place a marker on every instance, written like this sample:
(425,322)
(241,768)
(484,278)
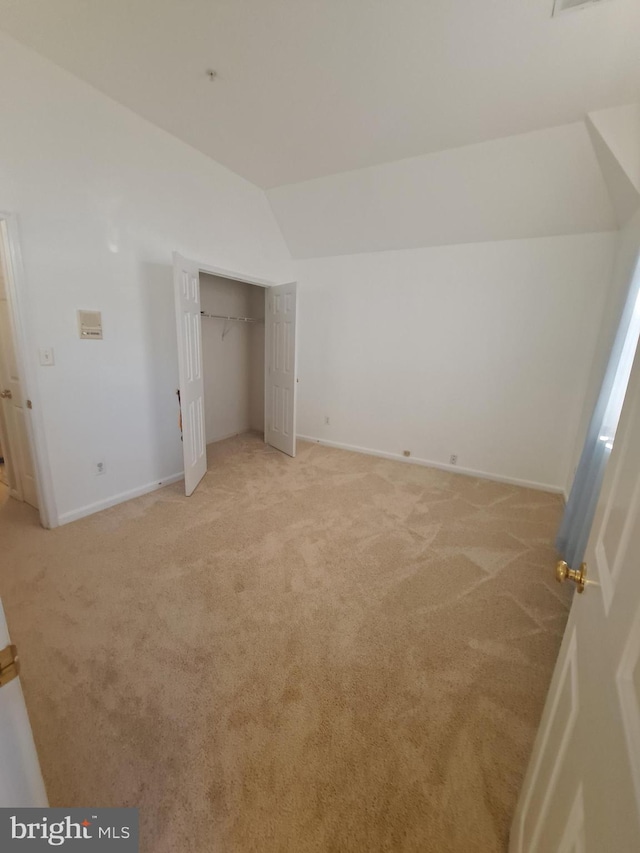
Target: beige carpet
(334,653)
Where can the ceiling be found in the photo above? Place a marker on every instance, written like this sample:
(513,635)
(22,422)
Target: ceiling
(307,88)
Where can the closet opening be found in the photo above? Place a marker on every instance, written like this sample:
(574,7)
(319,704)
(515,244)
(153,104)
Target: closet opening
(232,319)
(236,359)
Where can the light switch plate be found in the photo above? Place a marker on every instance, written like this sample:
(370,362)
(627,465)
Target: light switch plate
(46,356)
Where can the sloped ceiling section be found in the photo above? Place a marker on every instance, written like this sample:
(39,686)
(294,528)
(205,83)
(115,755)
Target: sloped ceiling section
(308,88)
(538,184)
(615,134)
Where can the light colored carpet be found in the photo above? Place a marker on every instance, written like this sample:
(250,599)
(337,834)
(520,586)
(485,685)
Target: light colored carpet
(334,653)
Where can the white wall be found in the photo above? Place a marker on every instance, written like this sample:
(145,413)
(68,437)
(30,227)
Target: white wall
(476,349)
(620,130)
(103,198)
(233,366)
(480,350)
(615,136)
(538,184)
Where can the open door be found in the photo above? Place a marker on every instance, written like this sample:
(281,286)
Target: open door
(20,777)
(581,793)
(194,447)
(280,368)
(14,430)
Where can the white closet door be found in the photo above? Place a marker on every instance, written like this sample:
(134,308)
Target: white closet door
(582,790)
(280,368)
(194,446)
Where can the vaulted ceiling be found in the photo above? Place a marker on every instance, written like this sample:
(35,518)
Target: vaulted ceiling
(307,88)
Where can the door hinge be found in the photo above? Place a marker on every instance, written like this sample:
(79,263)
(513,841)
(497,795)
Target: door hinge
(9,665)
(29,404)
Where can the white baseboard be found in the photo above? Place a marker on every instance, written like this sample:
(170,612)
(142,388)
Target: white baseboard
(427,463)
(89,509)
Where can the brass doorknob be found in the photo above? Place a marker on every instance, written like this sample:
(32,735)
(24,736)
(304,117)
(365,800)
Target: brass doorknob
(6,395)
(578,575)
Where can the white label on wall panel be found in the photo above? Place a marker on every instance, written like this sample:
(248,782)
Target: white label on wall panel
(90,325)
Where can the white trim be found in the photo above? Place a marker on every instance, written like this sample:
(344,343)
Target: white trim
(19,307)
(236,276)
(428,463)
(90,509)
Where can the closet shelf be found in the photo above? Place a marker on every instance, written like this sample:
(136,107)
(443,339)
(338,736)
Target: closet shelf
(228,319)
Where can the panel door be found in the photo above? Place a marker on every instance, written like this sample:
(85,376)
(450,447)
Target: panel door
(582,789)
(186,279)
(280,368)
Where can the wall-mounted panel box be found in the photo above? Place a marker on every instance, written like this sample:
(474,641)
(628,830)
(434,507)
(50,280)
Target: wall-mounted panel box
(90,325)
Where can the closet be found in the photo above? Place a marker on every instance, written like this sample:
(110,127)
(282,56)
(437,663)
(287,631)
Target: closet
(236,361)
(232,324)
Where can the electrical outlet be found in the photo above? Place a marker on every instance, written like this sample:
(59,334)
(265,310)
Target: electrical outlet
(99,468)
(327,420)
(453,459)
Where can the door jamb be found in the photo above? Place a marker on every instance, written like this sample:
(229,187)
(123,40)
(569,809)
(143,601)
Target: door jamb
(236,276)
(20,315)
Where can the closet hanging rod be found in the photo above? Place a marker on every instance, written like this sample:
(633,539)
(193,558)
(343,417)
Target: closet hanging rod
(227,317)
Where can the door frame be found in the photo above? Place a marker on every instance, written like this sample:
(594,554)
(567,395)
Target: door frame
(20,314)
(235,275)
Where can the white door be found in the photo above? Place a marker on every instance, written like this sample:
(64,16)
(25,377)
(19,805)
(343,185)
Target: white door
(20,777)
(194,446)
(582,790)
(280,368)
(14,431)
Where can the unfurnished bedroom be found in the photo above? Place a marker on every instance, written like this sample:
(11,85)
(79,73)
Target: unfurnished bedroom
(320,426)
